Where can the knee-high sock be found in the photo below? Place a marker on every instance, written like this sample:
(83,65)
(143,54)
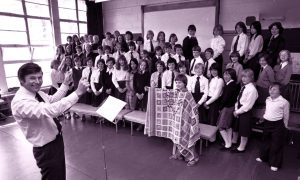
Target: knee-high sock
(229,136)
(225,137)
(234,137)
(243,143)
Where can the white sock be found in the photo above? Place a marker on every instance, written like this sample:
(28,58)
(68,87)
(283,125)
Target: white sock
(243,143)
(234,137)
(229,136)
(225,137)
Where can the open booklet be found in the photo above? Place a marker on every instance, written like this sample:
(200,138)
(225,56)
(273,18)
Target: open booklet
(110,108)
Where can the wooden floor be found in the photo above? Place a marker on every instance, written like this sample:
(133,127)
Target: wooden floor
(134,157)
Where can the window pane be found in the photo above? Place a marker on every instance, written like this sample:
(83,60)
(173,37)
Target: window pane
(37,10)
(83,28)
(82,16)
(11,6)
(81,5)
(14,54)
(67,14)
(45,65)
(43,53)
(68,27)
(67,4)
(11,37)
(12,82)
(40,31)
(12,69)
(64,37)
(38,1)
(18,23)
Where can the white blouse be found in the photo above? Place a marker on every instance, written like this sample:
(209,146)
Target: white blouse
(215,89)
(217,44)
(242,44)
(255,45)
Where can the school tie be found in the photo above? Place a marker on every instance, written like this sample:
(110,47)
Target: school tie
(261,69)
(236,43)
(159,58)
(90,74)
(206,68)
(173,77)
(99,78)
(131,55)
(197,86)
(58,125)
(271,39)
(139,49)
(240,96)
(232,66)
(151,46)
(179,57)
(159,80)
(192,67)
(280,66)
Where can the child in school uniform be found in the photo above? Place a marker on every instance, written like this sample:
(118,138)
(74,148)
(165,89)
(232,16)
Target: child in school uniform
(156,77)
(98,57)
(157,57)
(150,44)
(77,74)
(118,52)
(130,94)
(172,40)
(119,78)
(199,89)
(121,40)
(89,54)
(170,74)
(97,83)
(161,39)
(218,45)
(266,77)
(197,59)
(190,155)
(243,110)
(87,74)
(189,42)
(57,77)
(209,61)
(131,53)
(141,83)
(275,123)
(139,45)
(234,64)
(107,53)
(108,40)
(79,53)
(167,55)
(146,56)
(109,86)
(182,70)
(227,101)
(283,72)
(215,89)
(179,57)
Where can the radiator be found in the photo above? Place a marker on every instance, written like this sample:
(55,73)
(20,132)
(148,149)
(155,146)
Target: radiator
(294,92)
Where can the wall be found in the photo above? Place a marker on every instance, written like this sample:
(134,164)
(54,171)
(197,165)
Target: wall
(127,15)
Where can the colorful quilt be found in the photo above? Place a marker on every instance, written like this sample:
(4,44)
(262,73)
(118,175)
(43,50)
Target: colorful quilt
(174,115)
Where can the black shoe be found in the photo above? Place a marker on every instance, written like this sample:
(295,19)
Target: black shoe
(223,148)
(237,151)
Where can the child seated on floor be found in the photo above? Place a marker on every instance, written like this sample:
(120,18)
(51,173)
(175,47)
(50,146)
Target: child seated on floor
(189,154)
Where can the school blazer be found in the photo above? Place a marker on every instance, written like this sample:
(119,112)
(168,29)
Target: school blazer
(283,76)
(266,77)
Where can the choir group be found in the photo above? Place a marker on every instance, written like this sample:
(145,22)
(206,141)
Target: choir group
(257,75)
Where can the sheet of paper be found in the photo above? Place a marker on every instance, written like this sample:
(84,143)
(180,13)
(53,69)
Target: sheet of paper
(111,108)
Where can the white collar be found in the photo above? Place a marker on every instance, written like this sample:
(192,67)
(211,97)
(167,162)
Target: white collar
(229,82)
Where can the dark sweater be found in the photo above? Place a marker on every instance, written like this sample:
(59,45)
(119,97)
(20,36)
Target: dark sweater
(187,47)
(229,96)
(277,44)
(140,81)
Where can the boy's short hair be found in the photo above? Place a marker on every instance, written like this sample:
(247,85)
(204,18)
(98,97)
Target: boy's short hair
(77,59)
(210,50)
(101,61)
(69,37)
(100,47)
(197,48)
(177,46)
(249,73)
(181,65)
(182,78)
(111,59)
(198,65)
(168,45)
(158,48)
(171,60)
(235,54)
(192,27)
(160,63)
(107,48)
(89,59)
(232,73)
(275,84)
(28,68)
(266,56)
(131,43)
(140,38)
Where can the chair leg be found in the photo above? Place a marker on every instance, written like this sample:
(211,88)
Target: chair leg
(116,124)
(131,128)
(174,149)
(200,149)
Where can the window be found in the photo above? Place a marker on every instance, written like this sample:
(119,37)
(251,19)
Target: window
(27,34)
